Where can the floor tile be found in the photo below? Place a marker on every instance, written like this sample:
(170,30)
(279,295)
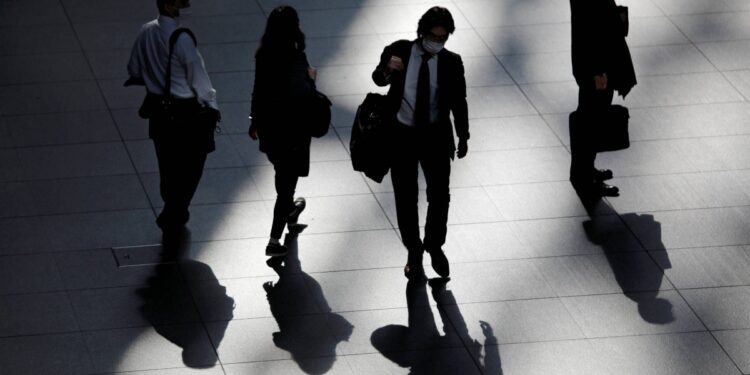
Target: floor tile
(691,228)
(741,80)
(676,7)
(705,267)
(38,39)
(508,322)
(674,59)
(163,301)
(714,26)
(91,269)
(150,348)
(730,55)
(351,250)
(482,14)
(537,201)
(335,22)
(346,79)
(503,133)
(343,290)
(485,71)
(26,69)
(88,194)
(577,236)
(299,338)
(438,362)
(229,221)
(686,121)
(560,357)
(15,13)
(497,101)
(61,128)
(231,258)
(684,353)
(78,231)
(333,366)
(498,281)
(632,314)
(322,214)
(50,98)
(45,354)
(679,191)
(720,308)
(483,242)
(29,274)
(735,344)
(220,185)
(33,314)
(539,67)
(521,166)
(515,40)
(83,160)
(600,274)
(404,17)
(468,205)
(394,330)
(343,50)
(233,86)
(692,88)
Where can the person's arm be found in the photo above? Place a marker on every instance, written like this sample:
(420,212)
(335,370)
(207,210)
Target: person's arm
(389,63)
(134,65)
(197,77)
(460,110)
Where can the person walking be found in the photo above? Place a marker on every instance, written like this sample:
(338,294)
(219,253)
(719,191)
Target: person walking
(284,80)
(427,84)
(601,64)
(163,53)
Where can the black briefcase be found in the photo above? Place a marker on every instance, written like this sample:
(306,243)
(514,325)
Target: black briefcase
(600,131)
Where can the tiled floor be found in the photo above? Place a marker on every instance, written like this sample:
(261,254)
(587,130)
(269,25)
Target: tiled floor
(656,281)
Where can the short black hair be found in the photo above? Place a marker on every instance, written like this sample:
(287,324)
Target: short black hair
(436,16)
(160,4)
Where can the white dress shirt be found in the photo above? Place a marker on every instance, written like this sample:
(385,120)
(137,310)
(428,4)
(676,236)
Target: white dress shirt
(408,102)
(148,61)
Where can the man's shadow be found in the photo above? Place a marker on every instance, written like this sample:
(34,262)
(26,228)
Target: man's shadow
(171,309)
(638,274)
(420,345)
(312,343)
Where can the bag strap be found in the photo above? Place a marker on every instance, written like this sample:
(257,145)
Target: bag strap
(172,42)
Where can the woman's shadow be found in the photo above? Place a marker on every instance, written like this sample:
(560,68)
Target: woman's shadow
(639,274)
(310,339)
(171,309)
(422,348)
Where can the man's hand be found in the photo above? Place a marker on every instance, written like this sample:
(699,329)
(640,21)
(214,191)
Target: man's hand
(312,72)
(463,148)
(253,132)
(395,64)
(600,81)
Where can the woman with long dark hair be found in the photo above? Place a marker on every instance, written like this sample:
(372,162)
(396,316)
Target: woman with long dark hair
(283,80)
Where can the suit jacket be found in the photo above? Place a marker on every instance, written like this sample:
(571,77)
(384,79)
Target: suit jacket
(598,45)
(451,94)
(280,89)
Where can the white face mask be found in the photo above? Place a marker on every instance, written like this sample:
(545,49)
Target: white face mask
(432,47)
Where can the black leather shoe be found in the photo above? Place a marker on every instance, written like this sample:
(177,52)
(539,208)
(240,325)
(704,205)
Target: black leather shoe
(603,190)
(603,174)
(414,269)
(439,262)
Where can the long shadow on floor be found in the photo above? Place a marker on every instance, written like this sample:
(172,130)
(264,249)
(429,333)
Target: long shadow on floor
(420,346)
(639,274)
(171,310)
(310,339)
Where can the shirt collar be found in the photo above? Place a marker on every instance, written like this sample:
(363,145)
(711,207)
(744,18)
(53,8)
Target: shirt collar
(168,21)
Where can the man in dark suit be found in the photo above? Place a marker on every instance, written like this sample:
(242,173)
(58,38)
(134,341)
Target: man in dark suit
(427,83)
(601,65)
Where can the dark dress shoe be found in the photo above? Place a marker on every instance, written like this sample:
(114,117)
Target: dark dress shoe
(603,174)
(414,271)
(439,262)
(603,190)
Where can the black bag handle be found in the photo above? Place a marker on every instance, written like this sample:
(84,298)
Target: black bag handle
(172,42)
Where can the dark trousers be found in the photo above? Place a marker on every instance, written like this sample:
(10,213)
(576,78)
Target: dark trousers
(180,171)
(285,181)
(582,157)
(410,153)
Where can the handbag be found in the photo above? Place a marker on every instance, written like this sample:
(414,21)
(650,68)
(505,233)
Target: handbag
(600,131)
(318,114)
(368,146)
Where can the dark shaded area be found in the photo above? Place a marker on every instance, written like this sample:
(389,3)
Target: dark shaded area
(419,345)
(310,339)
(171,310)
(639,280)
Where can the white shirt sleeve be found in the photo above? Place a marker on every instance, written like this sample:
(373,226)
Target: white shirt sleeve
(134,64)
(197,77)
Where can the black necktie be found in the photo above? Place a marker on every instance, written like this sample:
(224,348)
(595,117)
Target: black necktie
(422,107)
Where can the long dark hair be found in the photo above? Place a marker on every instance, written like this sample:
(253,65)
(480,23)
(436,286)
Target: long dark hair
(283,36)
